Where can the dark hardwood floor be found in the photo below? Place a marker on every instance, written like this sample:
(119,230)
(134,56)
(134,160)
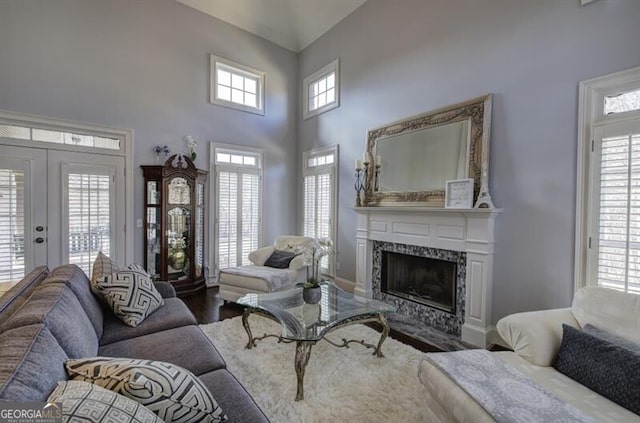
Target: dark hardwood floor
(208,307)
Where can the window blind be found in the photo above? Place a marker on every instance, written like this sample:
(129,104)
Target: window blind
(11,226)
(619,214)
(89,218)
(317,208)
(250,215)
(227,219)
(238,216)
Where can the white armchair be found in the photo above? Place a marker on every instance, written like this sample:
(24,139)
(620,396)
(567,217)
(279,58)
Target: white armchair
(257,278)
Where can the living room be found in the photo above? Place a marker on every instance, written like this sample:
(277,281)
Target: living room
(143,68)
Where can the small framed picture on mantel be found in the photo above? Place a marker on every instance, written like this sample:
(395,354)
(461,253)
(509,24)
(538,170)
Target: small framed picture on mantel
(459,194)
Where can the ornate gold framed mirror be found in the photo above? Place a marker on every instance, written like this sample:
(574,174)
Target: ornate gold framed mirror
(411,160)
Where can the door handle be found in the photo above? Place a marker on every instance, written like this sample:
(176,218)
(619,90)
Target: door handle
(39,240)
(39,228)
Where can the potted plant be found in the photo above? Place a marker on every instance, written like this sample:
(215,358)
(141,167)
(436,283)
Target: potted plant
(311,291)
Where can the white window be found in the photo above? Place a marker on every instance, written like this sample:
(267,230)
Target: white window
(236,86)
(237,202)
(608,208)
(322,90)
(319,198)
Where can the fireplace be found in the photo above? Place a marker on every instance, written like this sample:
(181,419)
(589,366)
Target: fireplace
(424,280)
(407,276)
(462,236)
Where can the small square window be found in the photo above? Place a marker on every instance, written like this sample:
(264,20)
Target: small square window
(236,86)
(322,90)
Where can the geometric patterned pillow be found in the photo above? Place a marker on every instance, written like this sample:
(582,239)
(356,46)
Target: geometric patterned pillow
(131,295)
(170,391)
(136,266)
(102,266)
(84,402)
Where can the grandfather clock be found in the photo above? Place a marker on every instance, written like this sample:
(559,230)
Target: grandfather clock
(174,223)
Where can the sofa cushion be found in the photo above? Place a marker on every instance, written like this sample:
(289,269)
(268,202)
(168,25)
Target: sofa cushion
(131,295)
(11,300)
(611,310)
(174,313)
(31,363)
(171,392)
(236,402)
(606,368)
(102,266)
(55,305)
(72,276)
(186,347)
(88,403)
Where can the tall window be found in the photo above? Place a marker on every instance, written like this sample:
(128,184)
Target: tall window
(236,86)
(322,90)
(237,203)
(608,232)
(319,198)
(89,211)
(11,225)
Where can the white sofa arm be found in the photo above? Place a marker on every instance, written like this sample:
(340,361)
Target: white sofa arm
(536,335)
(259,256)
(297,263)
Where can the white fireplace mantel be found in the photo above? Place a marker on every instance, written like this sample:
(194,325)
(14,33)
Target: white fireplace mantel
(467,230)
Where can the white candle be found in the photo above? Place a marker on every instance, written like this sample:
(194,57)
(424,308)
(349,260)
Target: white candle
(378,160)
(358,164)
(366,157)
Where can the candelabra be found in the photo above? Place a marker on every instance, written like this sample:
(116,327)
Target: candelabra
(359,185)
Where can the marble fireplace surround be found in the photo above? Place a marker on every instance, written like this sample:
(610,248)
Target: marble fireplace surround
(465,230)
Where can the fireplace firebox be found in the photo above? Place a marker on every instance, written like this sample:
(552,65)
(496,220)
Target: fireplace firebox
(424,280)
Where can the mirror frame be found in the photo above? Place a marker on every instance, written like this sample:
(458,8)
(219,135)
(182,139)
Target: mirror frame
(477,111)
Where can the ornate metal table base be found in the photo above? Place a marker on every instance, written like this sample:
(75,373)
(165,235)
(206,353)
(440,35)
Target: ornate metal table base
(303,348)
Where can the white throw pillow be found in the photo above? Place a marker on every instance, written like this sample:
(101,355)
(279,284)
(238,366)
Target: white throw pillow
(170,391)
(131,295)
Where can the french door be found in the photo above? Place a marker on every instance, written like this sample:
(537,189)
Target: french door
(58,207)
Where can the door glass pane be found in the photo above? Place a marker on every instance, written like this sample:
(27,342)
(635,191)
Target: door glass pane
(199,229)
(11,227)
(179,191)
(153,241)
(178,238)
(89,218)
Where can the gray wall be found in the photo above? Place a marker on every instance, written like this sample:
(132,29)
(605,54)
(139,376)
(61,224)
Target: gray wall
(144,65)
(401,58)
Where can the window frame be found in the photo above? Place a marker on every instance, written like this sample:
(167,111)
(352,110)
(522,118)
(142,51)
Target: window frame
(215,166)
(319,74)
(332,170)
(217,62)
(591,116)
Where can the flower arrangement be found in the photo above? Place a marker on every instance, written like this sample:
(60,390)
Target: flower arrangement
(311,257)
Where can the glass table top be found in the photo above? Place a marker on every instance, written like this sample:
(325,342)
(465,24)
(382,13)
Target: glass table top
(310,322)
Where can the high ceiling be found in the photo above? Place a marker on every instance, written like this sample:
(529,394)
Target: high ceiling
(293,24)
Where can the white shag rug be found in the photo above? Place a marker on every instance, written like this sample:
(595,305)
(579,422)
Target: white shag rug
(340,384)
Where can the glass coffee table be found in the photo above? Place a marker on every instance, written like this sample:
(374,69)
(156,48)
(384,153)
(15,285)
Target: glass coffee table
(306,324)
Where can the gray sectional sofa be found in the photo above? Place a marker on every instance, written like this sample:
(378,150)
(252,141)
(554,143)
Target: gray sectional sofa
(50,317)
